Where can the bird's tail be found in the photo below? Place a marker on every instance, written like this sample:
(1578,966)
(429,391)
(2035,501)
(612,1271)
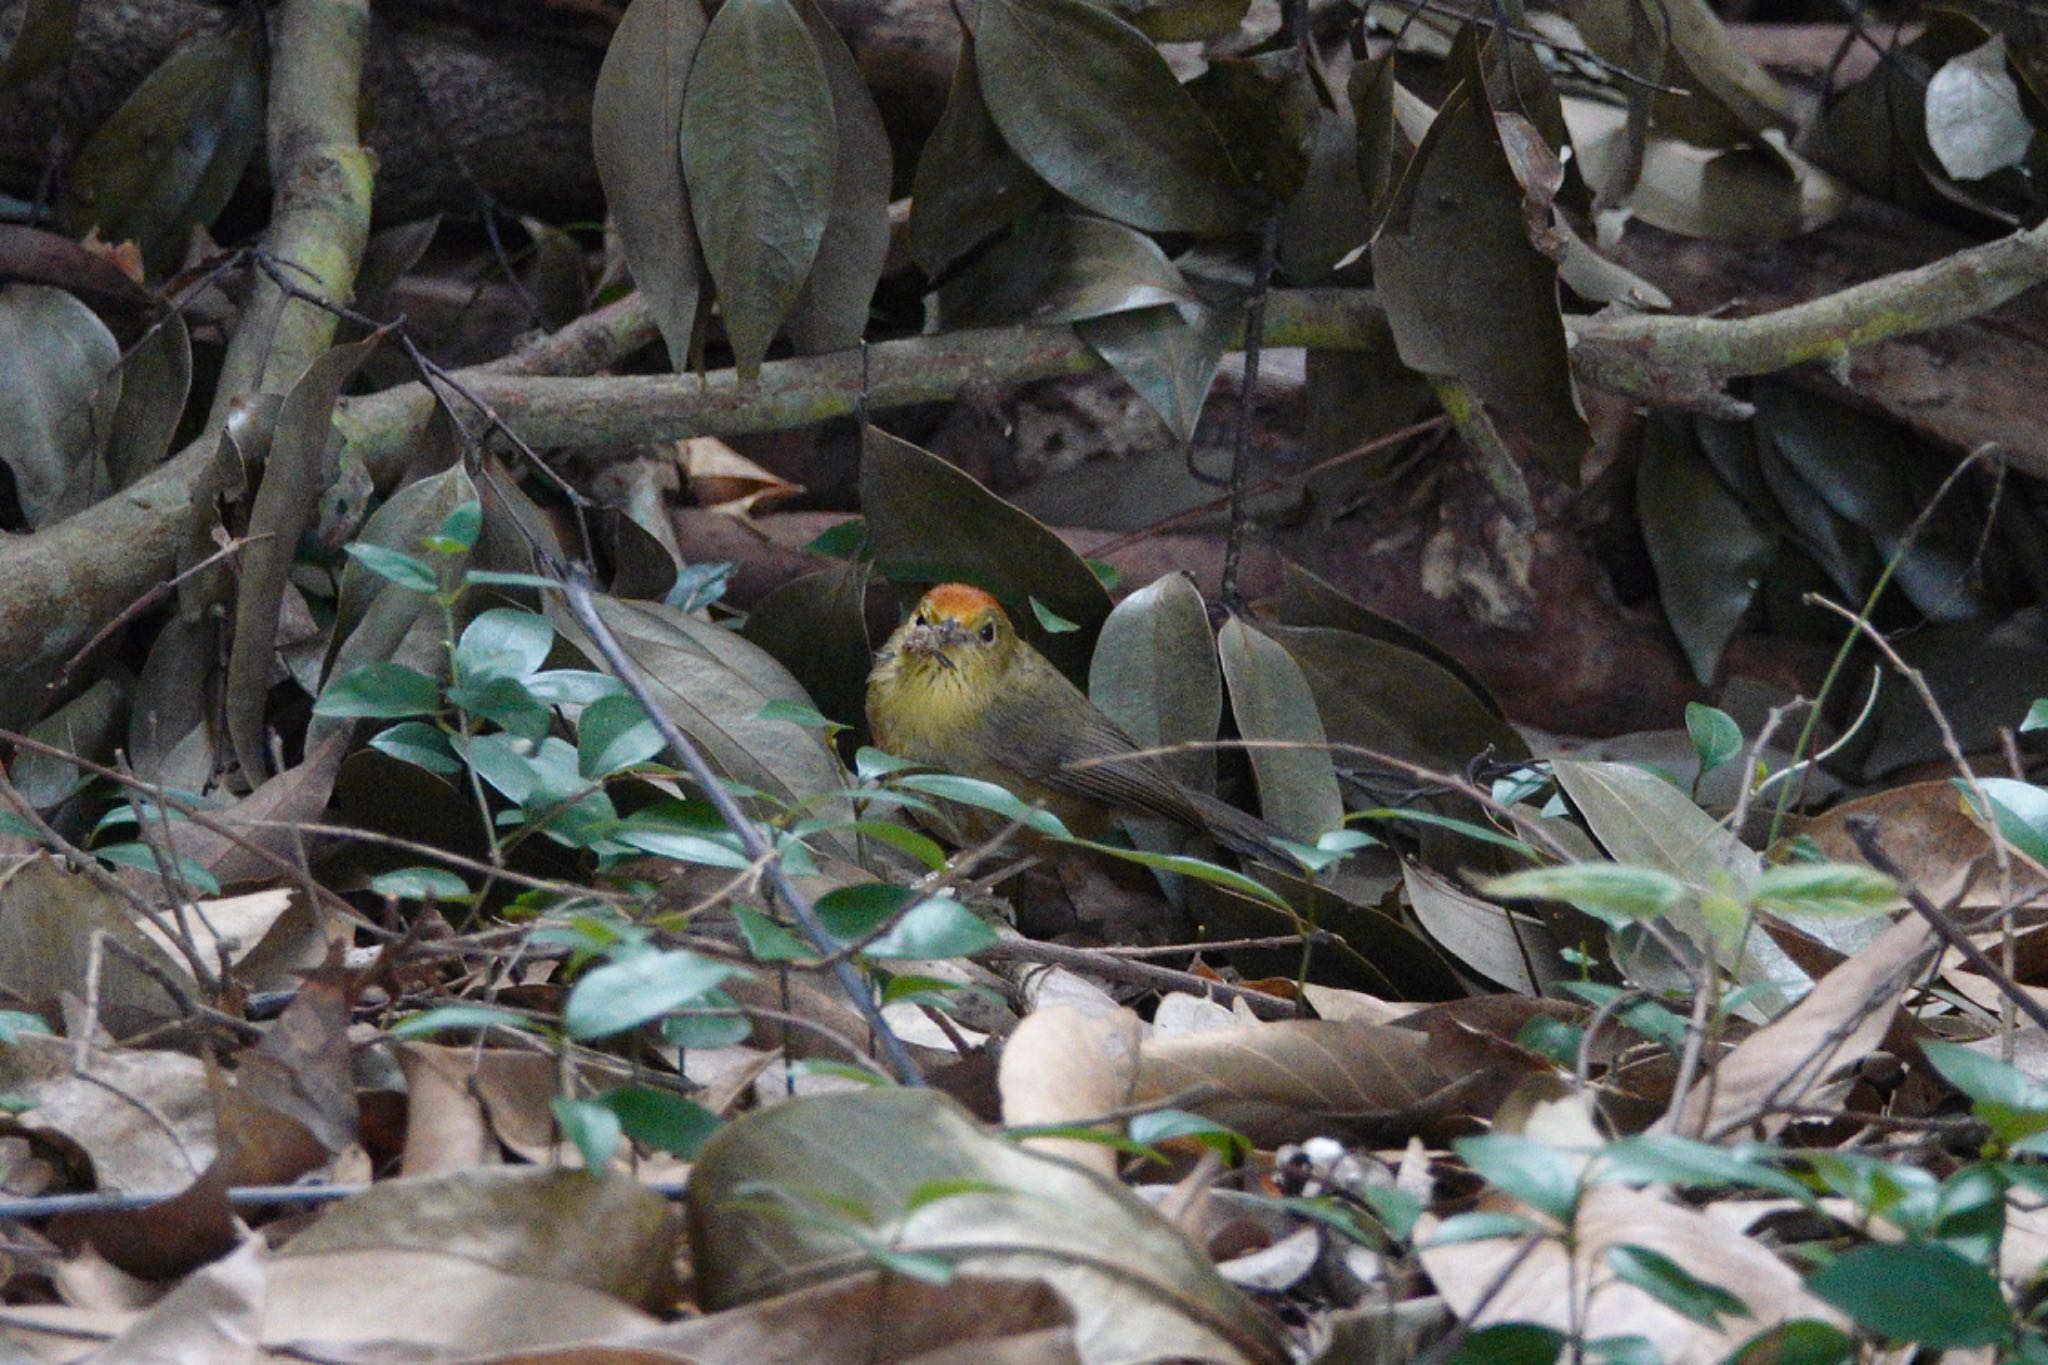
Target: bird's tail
(1243,833)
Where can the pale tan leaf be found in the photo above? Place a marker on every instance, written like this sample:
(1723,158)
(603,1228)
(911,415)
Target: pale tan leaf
(1062,1066)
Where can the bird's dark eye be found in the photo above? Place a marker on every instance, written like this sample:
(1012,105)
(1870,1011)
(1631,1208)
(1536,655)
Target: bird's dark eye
(988,632)
(918,620)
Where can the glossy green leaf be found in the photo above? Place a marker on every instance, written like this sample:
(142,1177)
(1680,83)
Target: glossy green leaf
(448,1018)
(1716,738)
(504,642)
(592,1128)
(380,690)
(1540,1176)
(1672,1285)
(1915,1291)
(1064,267)
(1608,891)
(2013,1103)
(759,152)
(1089,104)
(156,379)
(1510,1343)
(2020,811)
(636,118)
(621,995)
(394,566)
(421,884)
(661,1119)
(614,734)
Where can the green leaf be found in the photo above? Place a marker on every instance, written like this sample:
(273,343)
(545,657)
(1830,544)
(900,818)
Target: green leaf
(2020,810)
(972,791)
(380,691)
(1803,1341)
(15,1024)
(1090,105)
(1479,1227)
(594,1129)
(1167,357)
(655,830)
(463,524)
(799,713)
(661,1119)
(1608,891)
(1540,1176)
(420,744)
(394,565)
(613,734)
(2037,716)
(1277,713)
(494,578)
(1645,1158)
(2013,1103)
(934,928)
(143,859)
(1837,889)
(623,995)
(504,702)
(969,183)
(831,311)
(1052,622)
(1716,737)
(1672,1285)
(847,540)
(760,145)
(1163,1124)
(61,382)
(1915,1291)
(447,1018)
(504,642)
(1182,865)
(692,1030)
(1510,1343)
(768,941)
(421,884)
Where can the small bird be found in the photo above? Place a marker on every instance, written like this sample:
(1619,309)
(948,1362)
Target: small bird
(957,688)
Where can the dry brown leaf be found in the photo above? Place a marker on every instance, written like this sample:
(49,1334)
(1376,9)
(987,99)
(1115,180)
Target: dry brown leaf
(1841,1019)
(1541,1289)
(1063,1066)
(1928,833)
(1296,1079)
(446,1126)
(215,1315)
(726,481)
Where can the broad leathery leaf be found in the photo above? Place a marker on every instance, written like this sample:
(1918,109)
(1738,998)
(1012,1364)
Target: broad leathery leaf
(1385,697)
(1705,582)
(168,158)
(42,43)
(1469,298)
(60,386)
(88,725)
(1516,951)
(292,479)
(816,626)
(1155,674)
(1063,268)
(635,121)
(1180,21)
(831,312)
(1330,219)
(1138,1289)
(1307,600)
(1643,820)
(969,183)
(1265,107)
(1758,192)
(156,377)
(713,685)
(1168,358)
(1091,106)
(760,146)
(930,523)
(1276,713)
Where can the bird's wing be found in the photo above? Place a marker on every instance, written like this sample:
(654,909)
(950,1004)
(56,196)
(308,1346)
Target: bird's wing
(1058,758)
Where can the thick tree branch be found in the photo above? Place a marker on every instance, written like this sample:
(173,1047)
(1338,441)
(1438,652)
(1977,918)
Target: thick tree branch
(57,585)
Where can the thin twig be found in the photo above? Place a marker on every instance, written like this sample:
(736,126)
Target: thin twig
(576,590)
(1136,973)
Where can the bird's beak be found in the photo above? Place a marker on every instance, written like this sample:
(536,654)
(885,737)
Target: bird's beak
(932,641)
